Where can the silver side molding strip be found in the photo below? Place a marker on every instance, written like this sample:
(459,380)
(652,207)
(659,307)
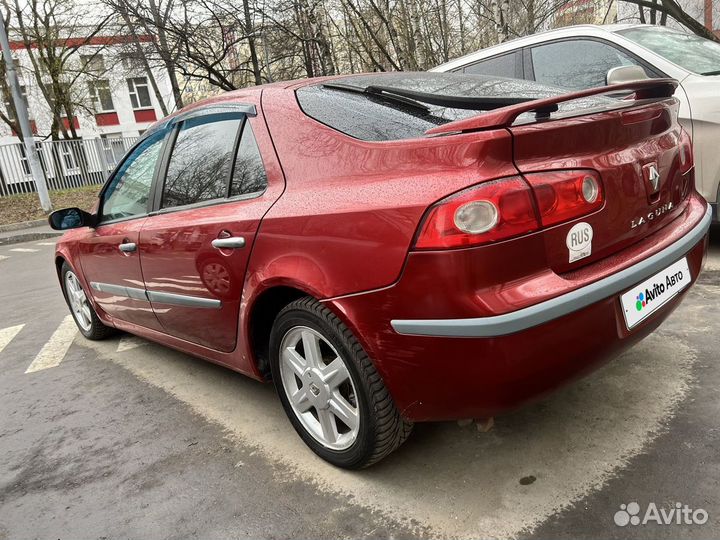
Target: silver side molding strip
(119,290)
(158,297)
(183,300)
(522,319)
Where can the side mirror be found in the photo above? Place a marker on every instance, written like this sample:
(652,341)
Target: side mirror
(624,74)
(70,218)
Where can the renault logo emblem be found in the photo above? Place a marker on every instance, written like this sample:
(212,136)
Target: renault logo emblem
(654,177)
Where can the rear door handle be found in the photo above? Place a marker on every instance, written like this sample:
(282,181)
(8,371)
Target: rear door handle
(234,242)
(128,247)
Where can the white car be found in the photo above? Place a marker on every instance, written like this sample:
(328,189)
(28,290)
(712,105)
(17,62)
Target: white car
(580,57)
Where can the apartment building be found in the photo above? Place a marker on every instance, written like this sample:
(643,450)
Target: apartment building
(115,97)
(113,102)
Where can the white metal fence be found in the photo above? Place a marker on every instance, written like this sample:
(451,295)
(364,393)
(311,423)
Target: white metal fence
(67,164)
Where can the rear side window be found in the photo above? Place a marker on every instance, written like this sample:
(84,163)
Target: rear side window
(249,173)
(577,64)
(507,65)
(201,160)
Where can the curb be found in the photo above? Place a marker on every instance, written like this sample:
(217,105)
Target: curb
(27,237)
(23,225)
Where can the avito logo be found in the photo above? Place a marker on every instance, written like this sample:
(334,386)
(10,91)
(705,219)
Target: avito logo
(680,514)
(640,301)
(643,299)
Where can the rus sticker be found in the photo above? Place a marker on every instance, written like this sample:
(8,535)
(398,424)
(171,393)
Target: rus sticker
(579,241)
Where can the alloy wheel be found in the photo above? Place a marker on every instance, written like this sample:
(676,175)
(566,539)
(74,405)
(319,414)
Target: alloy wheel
(78,301)
(319,388)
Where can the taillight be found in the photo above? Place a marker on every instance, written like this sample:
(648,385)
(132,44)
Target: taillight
(485,213)
(565,195)
(686,153)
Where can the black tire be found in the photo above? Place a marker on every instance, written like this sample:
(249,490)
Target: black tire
(381,427)
(96,330)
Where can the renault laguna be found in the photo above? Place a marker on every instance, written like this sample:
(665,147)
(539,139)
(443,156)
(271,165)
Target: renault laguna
(395,248)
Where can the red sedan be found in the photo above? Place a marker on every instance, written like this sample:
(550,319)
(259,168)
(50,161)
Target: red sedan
(395,248)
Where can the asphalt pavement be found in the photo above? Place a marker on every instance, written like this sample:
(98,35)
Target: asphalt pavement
(128,439)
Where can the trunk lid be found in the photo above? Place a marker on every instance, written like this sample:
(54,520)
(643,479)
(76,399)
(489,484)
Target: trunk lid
(635,150)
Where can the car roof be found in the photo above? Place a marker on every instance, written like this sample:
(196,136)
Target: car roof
(539,37)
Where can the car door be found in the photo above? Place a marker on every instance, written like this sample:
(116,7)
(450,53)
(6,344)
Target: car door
(109,256)
(577,63)
(195,247)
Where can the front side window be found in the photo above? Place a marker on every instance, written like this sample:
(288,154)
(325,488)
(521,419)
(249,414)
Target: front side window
(139,93)
(101,95)
(577,64)
(128,192)
(201,160)
(689,51)
(249,173)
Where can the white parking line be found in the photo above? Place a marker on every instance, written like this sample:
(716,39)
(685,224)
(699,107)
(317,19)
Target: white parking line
(458,482)
(3,257)
(7,335)
(54,351)
(130,342)
(25,250)
(45,244)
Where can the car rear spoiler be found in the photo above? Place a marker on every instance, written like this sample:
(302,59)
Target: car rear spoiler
(505,116)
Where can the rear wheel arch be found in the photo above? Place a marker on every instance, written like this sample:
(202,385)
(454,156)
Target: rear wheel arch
(263,312)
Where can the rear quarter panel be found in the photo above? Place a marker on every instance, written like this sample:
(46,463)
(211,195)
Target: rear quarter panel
(351,208)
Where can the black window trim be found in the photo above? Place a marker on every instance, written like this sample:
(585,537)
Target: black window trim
(530,68)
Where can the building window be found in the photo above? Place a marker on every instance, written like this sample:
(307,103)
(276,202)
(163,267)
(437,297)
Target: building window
(92,63)
(65,96)
(10,106)
(101,95)
(139,93)
(131,62)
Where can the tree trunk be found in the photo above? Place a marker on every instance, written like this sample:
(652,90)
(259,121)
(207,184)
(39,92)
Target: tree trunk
(674,10)
(252,44)
(165,55)
(146,66)
(461,24)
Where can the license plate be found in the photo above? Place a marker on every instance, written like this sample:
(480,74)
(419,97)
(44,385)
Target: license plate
(650,295)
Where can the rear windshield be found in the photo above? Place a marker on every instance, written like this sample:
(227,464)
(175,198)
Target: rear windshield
(374,118)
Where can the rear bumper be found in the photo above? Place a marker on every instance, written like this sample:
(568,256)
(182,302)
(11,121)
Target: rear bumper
(559,306)
(456,375)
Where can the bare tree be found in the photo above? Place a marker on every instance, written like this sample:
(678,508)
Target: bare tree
(52,32)
(671,8)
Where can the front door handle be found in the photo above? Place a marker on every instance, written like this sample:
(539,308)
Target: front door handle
(234,242)
(128,247)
